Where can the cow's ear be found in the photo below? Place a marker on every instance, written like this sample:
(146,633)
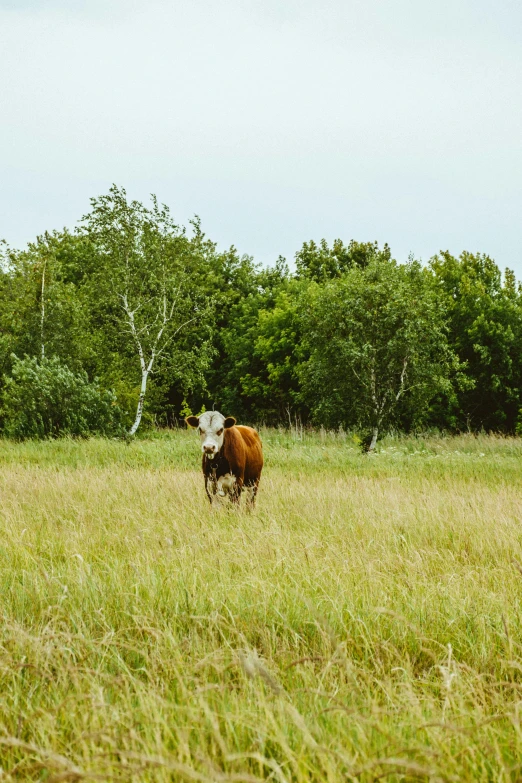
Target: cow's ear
(192,421)
(229,422)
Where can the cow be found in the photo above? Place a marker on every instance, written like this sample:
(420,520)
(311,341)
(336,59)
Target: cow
(232,456)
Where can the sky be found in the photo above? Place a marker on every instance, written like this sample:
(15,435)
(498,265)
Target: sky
(275,121)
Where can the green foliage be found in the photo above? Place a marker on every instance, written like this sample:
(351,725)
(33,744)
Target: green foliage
(145,303)
(239,381)
(45,398)
(42,311)
(377,340)
(171,323)
(279,352)
(485,328)
(322,263)
(185,409)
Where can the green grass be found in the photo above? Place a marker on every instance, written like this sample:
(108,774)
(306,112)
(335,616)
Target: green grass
(363,623)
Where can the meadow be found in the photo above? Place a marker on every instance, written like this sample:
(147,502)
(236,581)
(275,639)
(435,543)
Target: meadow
(363,623)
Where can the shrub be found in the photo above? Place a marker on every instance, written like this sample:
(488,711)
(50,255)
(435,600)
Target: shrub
(43,399)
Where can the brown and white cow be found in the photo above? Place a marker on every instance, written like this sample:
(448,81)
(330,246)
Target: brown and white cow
(232,456)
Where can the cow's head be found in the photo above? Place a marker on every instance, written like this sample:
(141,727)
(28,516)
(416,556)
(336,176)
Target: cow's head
(211,426)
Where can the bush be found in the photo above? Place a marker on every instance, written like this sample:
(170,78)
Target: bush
(43,399)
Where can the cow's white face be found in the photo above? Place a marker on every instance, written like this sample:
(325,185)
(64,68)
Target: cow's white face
(211,426)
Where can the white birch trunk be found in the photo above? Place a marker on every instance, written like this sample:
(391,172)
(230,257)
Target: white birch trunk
(156,350)
(373,442)
(42,312)
(380,404)
(141,400)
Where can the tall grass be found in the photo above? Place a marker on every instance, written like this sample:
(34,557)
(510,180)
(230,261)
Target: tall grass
(363,623)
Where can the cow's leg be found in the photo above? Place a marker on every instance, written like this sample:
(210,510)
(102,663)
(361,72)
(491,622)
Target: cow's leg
(251,495)
(212,486)
(235,494)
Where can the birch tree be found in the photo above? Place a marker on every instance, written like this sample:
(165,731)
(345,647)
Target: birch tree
(141,279)
(377,341)
(42,313)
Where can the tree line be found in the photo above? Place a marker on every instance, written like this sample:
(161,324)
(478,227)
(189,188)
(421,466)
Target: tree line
(131,320)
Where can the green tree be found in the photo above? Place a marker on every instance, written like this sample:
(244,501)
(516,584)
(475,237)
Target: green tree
(144,301)
(41,312)
(240,382)
(233,283)
(376,336)
(43,398)
(279,352)
(485,330)
(320,262)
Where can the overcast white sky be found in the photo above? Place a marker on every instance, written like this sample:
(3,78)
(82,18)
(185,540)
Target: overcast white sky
(276,121)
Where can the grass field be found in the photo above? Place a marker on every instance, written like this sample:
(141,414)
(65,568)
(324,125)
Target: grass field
(364,623)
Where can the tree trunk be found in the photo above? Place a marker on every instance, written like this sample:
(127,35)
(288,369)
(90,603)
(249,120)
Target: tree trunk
(42,312)
(141,400)
(375,435)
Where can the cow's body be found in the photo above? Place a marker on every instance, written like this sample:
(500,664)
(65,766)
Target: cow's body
(232,456)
